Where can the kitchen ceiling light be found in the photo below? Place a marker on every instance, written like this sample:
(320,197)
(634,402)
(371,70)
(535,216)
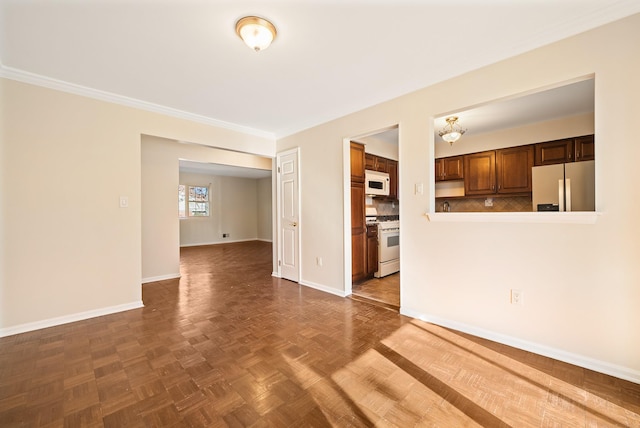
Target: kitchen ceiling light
(257,33)
(452,131)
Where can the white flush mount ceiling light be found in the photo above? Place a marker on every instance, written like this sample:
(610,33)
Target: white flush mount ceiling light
(452,131)
(257,33)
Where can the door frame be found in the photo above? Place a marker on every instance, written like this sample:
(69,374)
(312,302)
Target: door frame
(346,181)
(279,155)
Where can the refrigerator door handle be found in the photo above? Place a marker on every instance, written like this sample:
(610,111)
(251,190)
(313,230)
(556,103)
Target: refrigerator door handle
(560,195)
(567,194)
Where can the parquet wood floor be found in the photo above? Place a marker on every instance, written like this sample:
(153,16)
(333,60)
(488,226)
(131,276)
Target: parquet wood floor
(227,345)
(383,291)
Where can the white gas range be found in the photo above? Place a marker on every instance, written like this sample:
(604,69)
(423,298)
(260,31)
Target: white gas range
(388,242)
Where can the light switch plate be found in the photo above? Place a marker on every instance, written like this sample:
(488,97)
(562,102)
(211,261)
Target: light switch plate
(124,202)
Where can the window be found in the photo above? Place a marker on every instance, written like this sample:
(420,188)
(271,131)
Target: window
(193,201)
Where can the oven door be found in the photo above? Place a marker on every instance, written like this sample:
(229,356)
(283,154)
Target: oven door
(389,245)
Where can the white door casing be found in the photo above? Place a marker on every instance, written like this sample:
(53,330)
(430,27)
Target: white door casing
(288,200)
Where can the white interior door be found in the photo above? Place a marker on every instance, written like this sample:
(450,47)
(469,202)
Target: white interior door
(288,215)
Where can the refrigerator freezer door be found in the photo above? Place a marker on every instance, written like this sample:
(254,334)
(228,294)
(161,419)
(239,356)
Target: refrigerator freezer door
(546,186)
(582,179)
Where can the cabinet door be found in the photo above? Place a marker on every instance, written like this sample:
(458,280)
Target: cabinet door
(438,169)
(369,161)
(358,236)
(513,169)
(479,173)
(357,162)
(554,152)
(392,167)
(372,250)
(453,168)
(585,148)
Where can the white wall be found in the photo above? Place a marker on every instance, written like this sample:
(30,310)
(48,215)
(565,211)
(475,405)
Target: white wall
(68,251)
(161,235)
(580,281)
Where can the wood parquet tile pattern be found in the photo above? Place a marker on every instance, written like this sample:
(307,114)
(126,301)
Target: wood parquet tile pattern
(227,345)
(384,291)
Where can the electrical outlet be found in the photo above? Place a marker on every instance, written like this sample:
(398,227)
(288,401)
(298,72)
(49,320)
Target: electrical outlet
(225,235)
(516,297)
(488,202)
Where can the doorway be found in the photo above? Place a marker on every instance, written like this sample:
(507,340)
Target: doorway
(374,219)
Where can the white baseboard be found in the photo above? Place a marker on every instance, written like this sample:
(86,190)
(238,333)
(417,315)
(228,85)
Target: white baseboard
(264,240)
(621,372)
(226,241)
(326,289)
(160,278)
(52,322)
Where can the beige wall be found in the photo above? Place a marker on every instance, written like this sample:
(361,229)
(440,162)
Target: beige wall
(68,250)
(580,281)
(265,208)
(236,200)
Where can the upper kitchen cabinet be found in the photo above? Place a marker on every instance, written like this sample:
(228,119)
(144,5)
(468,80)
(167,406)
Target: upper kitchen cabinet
(449,168)
(357,162)
(392,169)
(375,163)
(480,173)
(566,150)
(553,152)
(513,169)
(504,171)
(584,148)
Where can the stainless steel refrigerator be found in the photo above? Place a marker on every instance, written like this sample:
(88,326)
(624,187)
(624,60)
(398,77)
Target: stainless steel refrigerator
(564,187)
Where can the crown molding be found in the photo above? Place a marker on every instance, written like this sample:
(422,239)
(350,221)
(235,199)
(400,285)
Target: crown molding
(60,85)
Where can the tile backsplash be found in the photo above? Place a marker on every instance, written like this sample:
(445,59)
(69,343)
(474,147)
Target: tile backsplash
(501,204)
(384,207)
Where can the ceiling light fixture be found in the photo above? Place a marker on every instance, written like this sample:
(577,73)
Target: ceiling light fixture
(257,33)
(452,131)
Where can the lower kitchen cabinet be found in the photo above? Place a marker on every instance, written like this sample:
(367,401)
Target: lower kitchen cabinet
(358,236)
(372,250)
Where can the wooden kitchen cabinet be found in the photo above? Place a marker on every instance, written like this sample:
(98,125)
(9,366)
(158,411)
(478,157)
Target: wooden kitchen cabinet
(503,171)
(513,169)
(392,169)
(575,149)
(480,173)
(553,152)
(449,168)
(358,235)
(357,159)
(372,250)
(375,163)
(584,148)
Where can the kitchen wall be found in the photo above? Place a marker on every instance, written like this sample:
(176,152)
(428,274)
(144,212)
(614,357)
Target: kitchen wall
(67,250)
(571,126)
(579,281)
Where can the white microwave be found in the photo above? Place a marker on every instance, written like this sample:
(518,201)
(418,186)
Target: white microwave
(376,183)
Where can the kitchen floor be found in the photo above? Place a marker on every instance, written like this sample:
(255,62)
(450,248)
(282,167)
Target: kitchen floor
(228,345)
(383,291)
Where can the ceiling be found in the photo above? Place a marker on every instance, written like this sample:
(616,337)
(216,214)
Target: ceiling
(330,57)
